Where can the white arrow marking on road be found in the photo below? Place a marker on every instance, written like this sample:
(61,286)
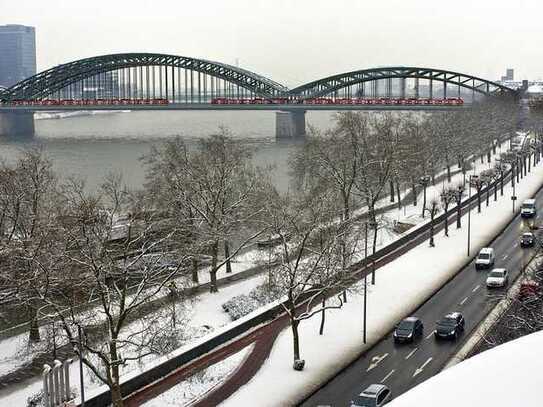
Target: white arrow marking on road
(463,301)
(387,376)
(420,369)
(431,333)
(411,353)
(476,288)
(506,256)
(375,361)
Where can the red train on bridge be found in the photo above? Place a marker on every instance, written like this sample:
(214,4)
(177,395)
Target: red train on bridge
(337,101)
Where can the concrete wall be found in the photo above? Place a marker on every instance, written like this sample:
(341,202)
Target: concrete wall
(289,124)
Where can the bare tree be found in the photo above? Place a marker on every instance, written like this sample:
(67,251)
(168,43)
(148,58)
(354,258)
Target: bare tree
(216,186)
(116,269)
(447,197)
(308,266)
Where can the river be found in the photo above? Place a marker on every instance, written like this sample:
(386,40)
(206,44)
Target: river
(93,145)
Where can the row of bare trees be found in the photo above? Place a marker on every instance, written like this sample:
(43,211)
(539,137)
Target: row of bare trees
(98,261)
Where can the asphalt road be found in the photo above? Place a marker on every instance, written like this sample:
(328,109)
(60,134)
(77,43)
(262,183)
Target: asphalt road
(403,366)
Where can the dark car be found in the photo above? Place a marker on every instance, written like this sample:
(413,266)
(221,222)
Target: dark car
(376,395)
(408,329)
(450,326)
(527,239)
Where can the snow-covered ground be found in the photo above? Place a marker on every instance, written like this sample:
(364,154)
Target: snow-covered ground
(207,310)
(202,382)
(409,280)
(508,375)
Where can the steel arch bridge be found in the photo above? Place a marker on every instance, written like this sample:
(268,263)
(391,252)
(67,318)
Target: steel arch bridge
(134,67)
(185,81)
(354,82)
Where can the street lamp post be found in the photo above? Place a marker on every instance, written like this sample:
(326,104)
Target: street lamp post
(365,280)
(469,212)
(81,383)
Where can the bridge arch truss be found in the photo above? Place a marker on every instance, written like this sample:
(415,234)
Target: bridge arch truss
(143,75)
(401,82)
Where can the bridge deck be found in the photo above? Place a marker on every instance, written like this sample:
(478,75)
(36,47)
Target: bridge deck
(209,106)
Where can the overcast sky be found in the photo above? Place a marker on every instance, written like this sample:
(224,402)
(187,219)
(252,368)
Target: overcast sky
(295,41)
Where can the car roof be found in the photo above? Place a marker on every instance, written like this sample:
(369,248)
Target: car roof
(527,234)
(487,250)
(411,319)
(374,389)
(454,314)
(529,201)
(499,269)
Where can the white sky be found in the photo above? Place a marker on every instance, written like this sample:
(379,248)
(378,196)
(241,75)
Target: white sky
(295,41)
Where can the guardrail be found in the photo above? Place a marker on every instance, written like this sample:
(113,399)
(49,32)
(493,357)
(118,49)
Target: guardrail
(134,382)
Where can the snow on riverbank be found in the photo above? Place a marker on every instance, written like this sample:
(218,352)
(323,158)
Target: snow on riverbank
(409,281)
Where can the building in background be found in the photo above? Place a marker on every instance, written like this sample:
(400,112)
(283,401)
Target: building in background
(510,74)
(17,53)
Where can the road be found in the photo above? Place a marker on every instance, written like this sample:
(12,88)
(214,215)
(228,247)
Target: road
(403,366)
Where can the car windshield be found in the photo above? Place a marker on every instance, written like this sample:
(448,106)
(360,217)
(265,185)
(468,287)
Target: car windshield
(484,256)
(447,321)
(527,235)
(496,273)
(406,324)
(365,401)
(527,206)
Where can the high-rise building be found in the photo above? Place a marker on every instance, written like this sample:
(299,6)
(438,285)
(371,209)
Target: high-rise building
(17,53)
(510,74)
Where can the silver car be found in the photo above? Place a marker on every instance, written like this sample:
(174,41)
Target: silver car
(376,395)
(497,278)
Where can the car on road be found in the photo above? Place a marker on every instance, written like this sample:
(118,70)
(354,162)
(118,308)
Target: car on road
(485,258)
(408,329)
(450,326)
(497,278)
(528,209)
(527,239)
(375,395)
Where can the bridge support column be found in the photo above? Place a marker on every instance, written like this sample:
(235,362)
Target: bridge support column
(16,124)
(290,124)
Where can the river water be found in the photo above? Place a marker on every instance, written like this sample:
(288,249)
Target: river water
(91,146)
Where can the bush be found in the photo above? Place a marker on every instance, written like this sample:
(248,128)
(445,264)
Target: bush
(243,304)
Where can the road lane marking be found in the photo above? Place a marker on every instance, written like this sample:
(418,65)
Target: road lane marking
(420,369)
(476,288)
(464,301)
(431,333)
(506,256)
(375,361)
(411,353)
(387,376)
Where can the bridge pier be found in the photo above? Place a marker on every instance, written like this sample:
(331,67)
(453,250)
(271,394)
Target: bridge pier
(290,124)
(16,124)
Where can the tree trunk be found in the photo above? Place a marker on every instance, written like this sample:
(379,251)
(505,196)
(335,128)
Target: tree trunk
(374,249)
(34,333)
(448,172)
(487,193)
(458,214)
(391,184)
(432,228)
(213,272)
(321,330)
(115,387)
(447,219)
(195,278)
(227,256)
(488,159)
(295,339)
(116,396)
(478,200)
(414,190)
(501,183)
(424,200)
(398,195)
(495,190)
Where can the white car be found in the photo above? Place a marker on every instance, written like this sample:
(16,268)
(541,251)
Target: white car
(497,278)
(485,258)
